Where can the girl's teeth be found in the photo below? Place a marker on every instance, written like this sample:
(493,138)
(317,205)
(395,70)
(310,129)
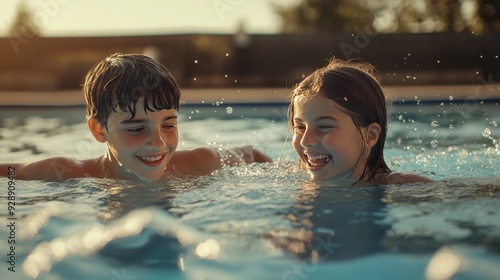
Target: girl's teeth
(151,159)
(318,157)
(318,160)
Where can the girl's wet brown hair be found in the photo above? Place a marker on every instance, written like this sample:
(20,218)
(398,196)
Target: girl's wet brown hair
(354,85)
(120,80)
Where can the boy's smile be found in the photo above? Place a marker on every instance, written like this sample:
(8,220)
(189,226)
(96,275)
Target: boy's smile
(142,146)
(151,160)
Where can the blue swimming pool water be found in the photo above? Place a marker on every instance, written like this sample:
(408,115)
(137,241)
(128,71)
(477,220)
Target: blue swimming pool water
(262,221)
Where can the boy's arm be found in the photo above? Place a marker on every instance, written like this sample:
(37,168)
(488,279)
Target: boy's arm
(201,161)
(52,169)
(243,155)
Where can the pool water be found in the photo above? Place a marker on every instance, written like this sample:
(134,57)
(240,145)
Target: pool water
(261,221)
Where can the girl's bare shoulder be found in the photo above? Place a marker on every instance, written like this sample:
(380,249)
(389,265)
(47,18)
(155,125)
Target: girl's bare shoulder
(402,178)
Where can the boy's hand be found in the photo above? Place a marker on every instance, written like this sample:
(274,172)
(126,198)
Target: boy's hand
(250,154)
(204,160)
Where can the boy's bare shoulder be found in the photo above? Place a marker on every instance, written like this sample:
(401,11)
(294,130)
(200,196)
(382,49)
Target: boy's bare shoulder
(198,161)
(56,169)
(52,169)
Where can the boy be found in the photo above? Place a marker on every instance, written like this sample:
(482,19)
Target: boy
(132,103)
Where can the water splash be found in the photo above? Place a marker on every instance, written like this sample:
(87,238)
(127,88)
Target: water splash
(487,133)
(443,265)
(434,143)
(47,254)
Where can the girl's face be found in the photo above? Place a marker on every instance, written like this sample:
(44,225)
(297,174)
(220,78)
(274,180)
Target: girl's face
(141,147)
(326,139)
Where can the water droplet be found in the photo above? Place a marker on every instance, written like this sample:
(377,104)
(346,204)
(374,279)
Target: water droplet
(235,81)
(194,79)
(399,140)
(197,111)
(451,97)
(210,249)
(434,143)
(225,76)
(480,56)
(400,117)
(217,103)
(439,61)
(494,123)
(451,126)
(227,54)
(229,110)
(434,132)
(434,124)
(487,132)
(196,61)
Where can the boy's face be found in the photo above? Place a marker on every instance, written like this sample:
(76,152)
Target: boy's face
(143,146)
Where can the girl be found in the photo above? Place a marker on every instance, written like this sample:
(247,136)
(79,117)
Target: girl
(339,120)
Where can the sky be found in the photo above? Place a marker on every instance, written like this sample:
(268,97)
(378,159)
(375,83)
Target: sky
(134,17)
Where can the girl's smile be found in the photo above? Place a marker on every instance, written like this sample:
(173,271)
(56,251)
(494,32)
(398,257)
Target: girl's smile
(326,139)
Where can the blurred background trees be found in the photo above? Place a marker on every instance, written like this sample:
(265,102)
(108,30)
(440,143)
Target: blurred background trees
(417,41)
(24,24)
(390,16)
(383,16)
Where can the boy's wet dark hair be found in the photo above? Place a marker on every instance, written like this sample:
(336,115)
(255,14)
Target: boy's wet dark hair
(355,87)
(121,80)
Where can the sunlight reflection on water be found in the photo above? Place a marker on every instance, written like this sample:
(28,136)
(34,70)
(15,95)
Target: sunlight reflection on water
(265,215)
